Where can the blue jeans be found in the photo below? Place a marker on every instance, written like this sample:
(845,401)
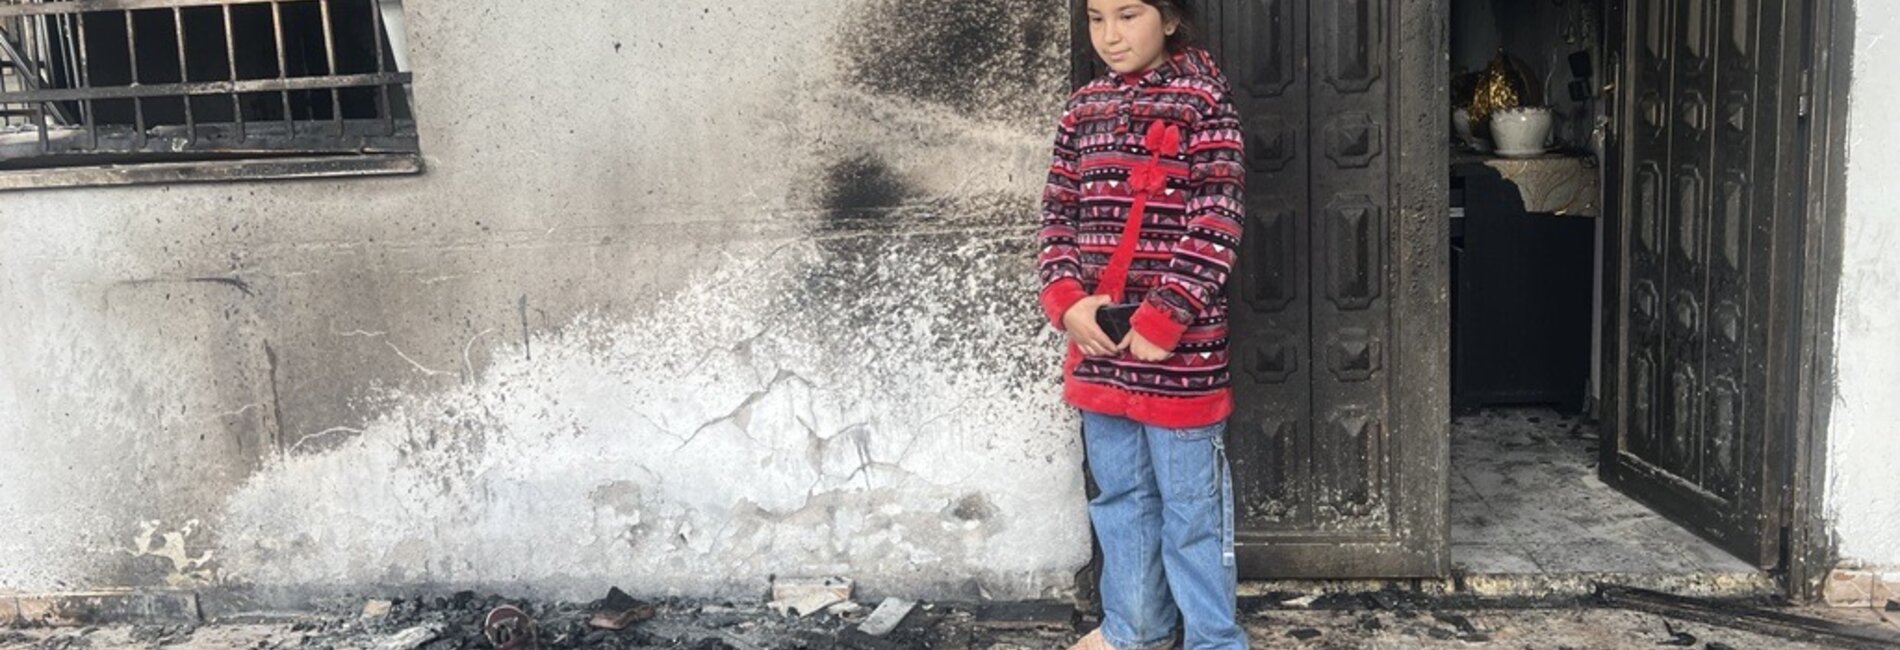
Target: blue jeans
(1165,521)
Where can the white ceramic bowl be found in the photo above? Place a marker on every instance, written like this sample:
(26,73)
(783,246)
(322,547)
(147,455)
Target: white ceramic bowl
(1521,131)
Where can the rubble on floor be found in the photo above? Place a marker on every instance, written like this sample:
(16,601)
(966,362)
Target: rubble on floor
(1373,621)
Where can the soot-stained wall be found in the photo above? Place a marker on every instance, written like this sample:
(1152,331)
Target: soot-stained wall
(692,293)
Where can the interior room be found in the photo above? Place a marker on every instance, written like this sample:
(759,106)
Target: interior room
(1528,121)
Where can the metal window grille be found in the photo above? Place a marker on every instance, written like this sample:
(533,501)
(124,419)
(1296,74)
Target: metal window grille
(125,82)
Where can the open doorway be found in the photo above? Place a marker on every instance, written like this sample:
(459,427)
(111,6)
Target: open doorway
(1613,280)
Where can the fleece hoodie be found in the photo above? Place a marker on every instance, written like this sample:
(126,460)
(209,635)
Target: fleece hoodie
(1159,152)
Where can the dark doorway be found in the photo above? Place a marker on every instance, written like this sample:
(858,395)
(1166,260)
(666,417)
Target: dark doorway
(1688,113)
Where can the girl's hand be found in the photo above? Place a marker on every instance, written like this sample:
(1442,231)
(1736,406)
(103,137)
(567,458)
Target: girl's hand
(1079,322)
(1144,350)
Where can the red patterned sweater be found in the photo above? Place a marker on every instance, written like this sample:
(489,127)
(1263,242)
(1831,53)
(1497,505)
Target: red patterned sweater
(1190,229)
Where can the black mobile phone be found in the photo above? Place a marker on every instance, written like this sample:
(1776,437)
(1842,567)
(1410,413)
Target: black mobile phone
(1114,320)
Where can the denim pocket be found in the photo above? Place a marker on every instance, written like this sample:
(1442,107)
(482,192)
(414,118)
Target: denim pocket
(1208,432)
(1194,463)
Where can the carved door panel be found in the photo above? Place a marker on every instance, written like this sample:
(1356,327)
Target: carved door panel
(1706,119)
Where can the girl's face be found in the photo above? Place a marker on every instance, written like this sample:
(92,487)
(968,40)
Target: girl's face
(1130,35)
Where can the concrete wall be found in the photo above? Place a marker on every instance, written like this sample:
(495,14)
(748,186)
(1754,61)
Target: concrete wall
(1864,435)
(692,293)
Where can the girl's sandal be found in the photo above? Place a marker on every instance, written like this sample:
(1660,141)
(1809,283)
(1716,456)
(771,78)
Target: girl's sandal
(1092,641)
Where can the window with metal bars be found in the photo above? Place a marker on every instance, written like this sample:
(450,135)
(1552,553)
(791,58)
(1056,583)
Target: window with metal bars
(127,91)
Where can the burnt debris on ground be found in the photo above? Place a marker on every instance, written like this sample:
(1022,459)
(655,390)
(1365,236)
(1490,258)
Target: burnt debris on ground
(457,622)
(792,617)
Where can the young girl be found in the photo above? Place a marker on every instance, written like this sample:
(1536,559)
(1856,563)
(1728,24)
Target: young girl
(1143,209)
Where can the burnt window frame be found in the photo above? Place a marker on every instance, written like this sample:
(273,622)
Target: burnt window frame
(322,91)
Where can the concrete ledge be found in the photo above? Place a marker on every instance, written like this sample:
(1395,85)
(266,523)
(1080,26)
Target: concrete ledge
(1298,588)
(1704,585)
(99,607)
(1529,587)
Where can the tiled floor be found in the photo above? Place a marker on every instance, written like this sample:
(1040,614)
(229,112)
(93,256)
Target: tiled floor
(1525,499)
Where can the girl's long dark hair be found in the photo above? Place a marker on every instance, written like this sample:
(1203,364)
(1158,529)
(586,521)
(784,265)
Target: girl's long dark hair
(1188,32)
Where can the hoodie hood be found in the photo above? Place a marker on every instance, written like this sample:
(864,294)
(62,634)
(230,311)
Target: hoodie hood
(1189,62)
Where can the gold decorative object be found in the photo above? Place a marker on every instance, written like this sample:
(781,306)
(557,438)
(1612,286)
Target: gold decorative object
(1501,86)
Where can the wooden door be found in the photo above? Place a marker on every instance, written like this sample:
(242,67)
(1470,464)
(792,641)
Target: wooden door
(1339,306)
(1704,182)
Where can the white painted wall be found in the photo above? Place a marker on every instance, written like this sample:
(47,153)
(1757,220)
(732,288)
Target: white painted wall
(618,333)
(1864,437)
